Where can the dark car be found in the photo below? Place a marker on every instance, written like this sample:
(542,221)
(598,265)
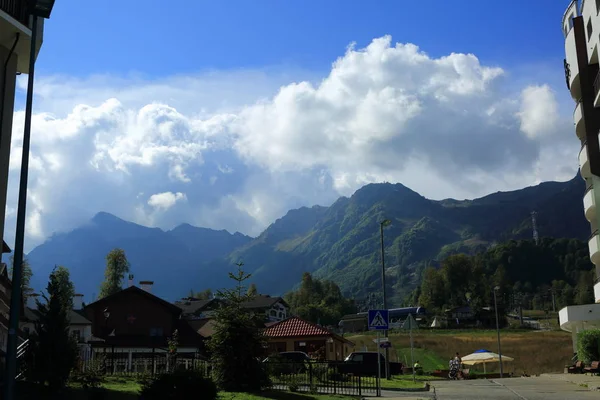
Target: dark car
(364,363)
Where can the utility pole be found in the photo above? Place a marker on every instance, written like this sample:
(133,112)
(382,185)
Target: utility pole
(385,222)
(498,329)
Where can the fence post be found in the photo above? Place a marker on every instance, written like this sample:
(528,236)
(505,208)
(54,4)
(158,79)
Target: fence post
(310,375)
(359,388)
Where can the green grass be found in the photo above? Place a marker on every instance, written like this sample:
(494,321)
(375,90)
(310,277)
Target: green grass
(429,360)
(122,385)
(403,382)
(277,395)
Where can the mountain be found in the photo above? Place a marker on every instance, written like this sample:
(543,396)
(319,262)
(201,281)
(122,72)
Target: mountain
(166,257)
(340,242)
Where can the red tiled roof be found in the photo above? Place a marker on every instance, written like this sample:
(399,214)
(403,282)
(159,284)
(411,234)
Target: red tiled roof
(295,327)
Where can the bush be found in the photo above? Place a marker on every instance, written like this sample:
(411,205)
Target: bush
(588,345)
(179,385)
(93,376)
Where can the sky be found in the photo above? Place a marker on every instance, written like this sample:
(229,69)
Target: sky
(226,114)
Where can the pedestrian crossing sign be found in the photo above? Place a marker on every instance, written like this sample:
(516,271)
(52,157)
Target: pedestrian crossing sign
(378,319)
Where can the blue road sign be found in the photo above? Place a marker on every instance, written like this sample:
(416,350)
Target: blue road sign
(378,319)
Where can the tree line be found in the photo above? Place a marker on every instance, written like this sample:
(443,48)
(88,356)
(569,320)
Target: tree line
(546,276)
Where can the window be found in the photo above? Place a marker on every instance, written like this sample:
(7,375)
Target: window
(273,313)
(589,29)
(156,332)
(76,333)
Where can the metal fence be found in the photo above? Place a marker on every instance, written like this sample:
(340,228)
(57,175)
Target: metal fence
(331,377)
(326,377)
(125,362)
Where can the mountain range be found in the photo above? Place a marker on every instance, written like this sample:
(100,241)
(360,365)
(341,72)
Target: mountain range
(340,242)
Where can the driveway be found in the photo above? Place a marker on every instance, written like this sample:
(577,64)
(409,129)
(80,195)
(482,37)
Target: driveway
(536,388)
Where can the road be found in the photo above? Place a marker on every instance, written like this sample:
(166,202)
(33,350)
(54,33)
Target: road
(536,388)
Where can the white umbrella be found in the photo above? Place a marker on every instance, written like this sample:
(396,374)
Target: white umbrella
(483,357)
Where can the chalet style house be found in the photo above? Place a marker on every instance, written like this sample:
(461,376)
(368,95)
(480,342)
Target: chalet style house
(274,308)
(135,321)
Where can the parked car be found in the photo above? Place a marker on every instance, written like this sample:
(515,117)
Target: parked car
(364,363)
(289,362)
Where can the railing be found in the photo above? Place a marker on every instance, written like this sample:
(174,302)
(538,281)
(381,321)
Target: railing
(330,377)
(597,84)
(18,9)
(593,234)
(21,353)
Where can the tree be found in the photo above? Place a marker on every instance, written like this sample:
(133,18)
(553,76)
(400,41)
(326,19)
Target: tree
(27,273)
(116,268)
(206,294)
(54,351)
(252,291)
(319,301)
(237,344)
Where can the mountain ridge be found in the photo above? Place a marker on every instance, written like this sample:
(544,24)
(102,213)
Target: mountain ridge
(338,242)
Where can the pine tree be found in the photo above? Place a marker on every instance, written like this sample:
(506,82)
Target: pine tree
(238,343)
(116,268)
(54,350)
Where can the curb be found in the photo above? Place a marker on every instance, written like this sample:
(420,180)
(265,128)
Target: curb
(425,388)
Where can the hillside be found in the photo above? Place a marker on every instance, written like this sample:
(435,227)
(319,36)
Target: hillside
(339,242)
(163,256)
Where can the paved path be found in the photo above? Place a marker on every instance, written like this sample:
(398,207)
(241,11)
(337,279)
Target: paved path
(537,388)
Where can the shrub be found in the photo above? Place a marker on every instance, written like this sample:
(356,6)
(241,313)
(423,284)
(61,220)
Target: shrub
(588,345)
(178,385)
(92,377)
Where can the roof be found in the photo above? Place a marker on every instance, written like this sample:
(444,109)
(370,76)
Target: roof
(297,327)
(5,248)
(134,289)
(193,306)
(75,317)
(263,301)
(204,327)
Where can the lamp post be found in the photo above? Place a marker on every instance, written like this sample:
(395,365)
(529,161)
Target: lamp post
(498,329)
(106,313)
(382,224)
(36,9)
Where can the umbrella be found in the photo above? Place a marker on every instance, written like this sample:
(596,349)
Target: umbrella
(483,356)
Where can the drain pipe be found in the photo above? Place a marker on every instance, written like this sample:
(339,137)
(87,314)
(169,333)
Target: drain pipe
(15,300)
(3,87)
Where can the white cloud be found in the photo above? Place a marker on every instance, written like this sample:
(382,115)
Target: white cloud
(237,149)
(166,200)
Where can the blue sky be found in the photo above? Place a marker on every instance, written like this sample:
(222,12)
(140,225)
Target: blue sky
(161,38)
(226,114)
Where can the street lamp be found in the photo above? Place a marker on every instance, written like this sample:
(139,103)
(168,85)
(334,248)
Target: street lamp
(382,224)
(498,329)
(37,9)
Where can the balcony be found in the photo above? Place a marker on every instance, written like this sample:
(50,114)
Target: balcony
(584,162)
(578,120)
(17,9)
(577,318)
(571,67)
(594,246)
(589,204)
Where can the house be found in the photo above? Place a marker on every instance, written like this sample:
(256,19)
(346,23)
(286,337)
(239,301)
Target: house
(296,334)
(135,321)
(193,308)
(275,308)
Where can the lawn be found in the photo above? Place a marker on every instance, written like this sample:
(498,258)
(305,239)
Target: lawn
(534,352)
(406,382)
(278,395)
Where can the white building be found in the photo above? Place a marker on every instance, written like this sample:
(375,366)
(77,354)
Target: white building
(581,29)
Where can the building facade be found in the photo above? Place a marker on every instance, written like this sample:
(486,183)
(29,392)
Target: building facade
(581,30)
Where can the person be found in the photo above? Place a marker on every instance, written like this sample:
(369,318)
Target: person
(418,369)
(454,367)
